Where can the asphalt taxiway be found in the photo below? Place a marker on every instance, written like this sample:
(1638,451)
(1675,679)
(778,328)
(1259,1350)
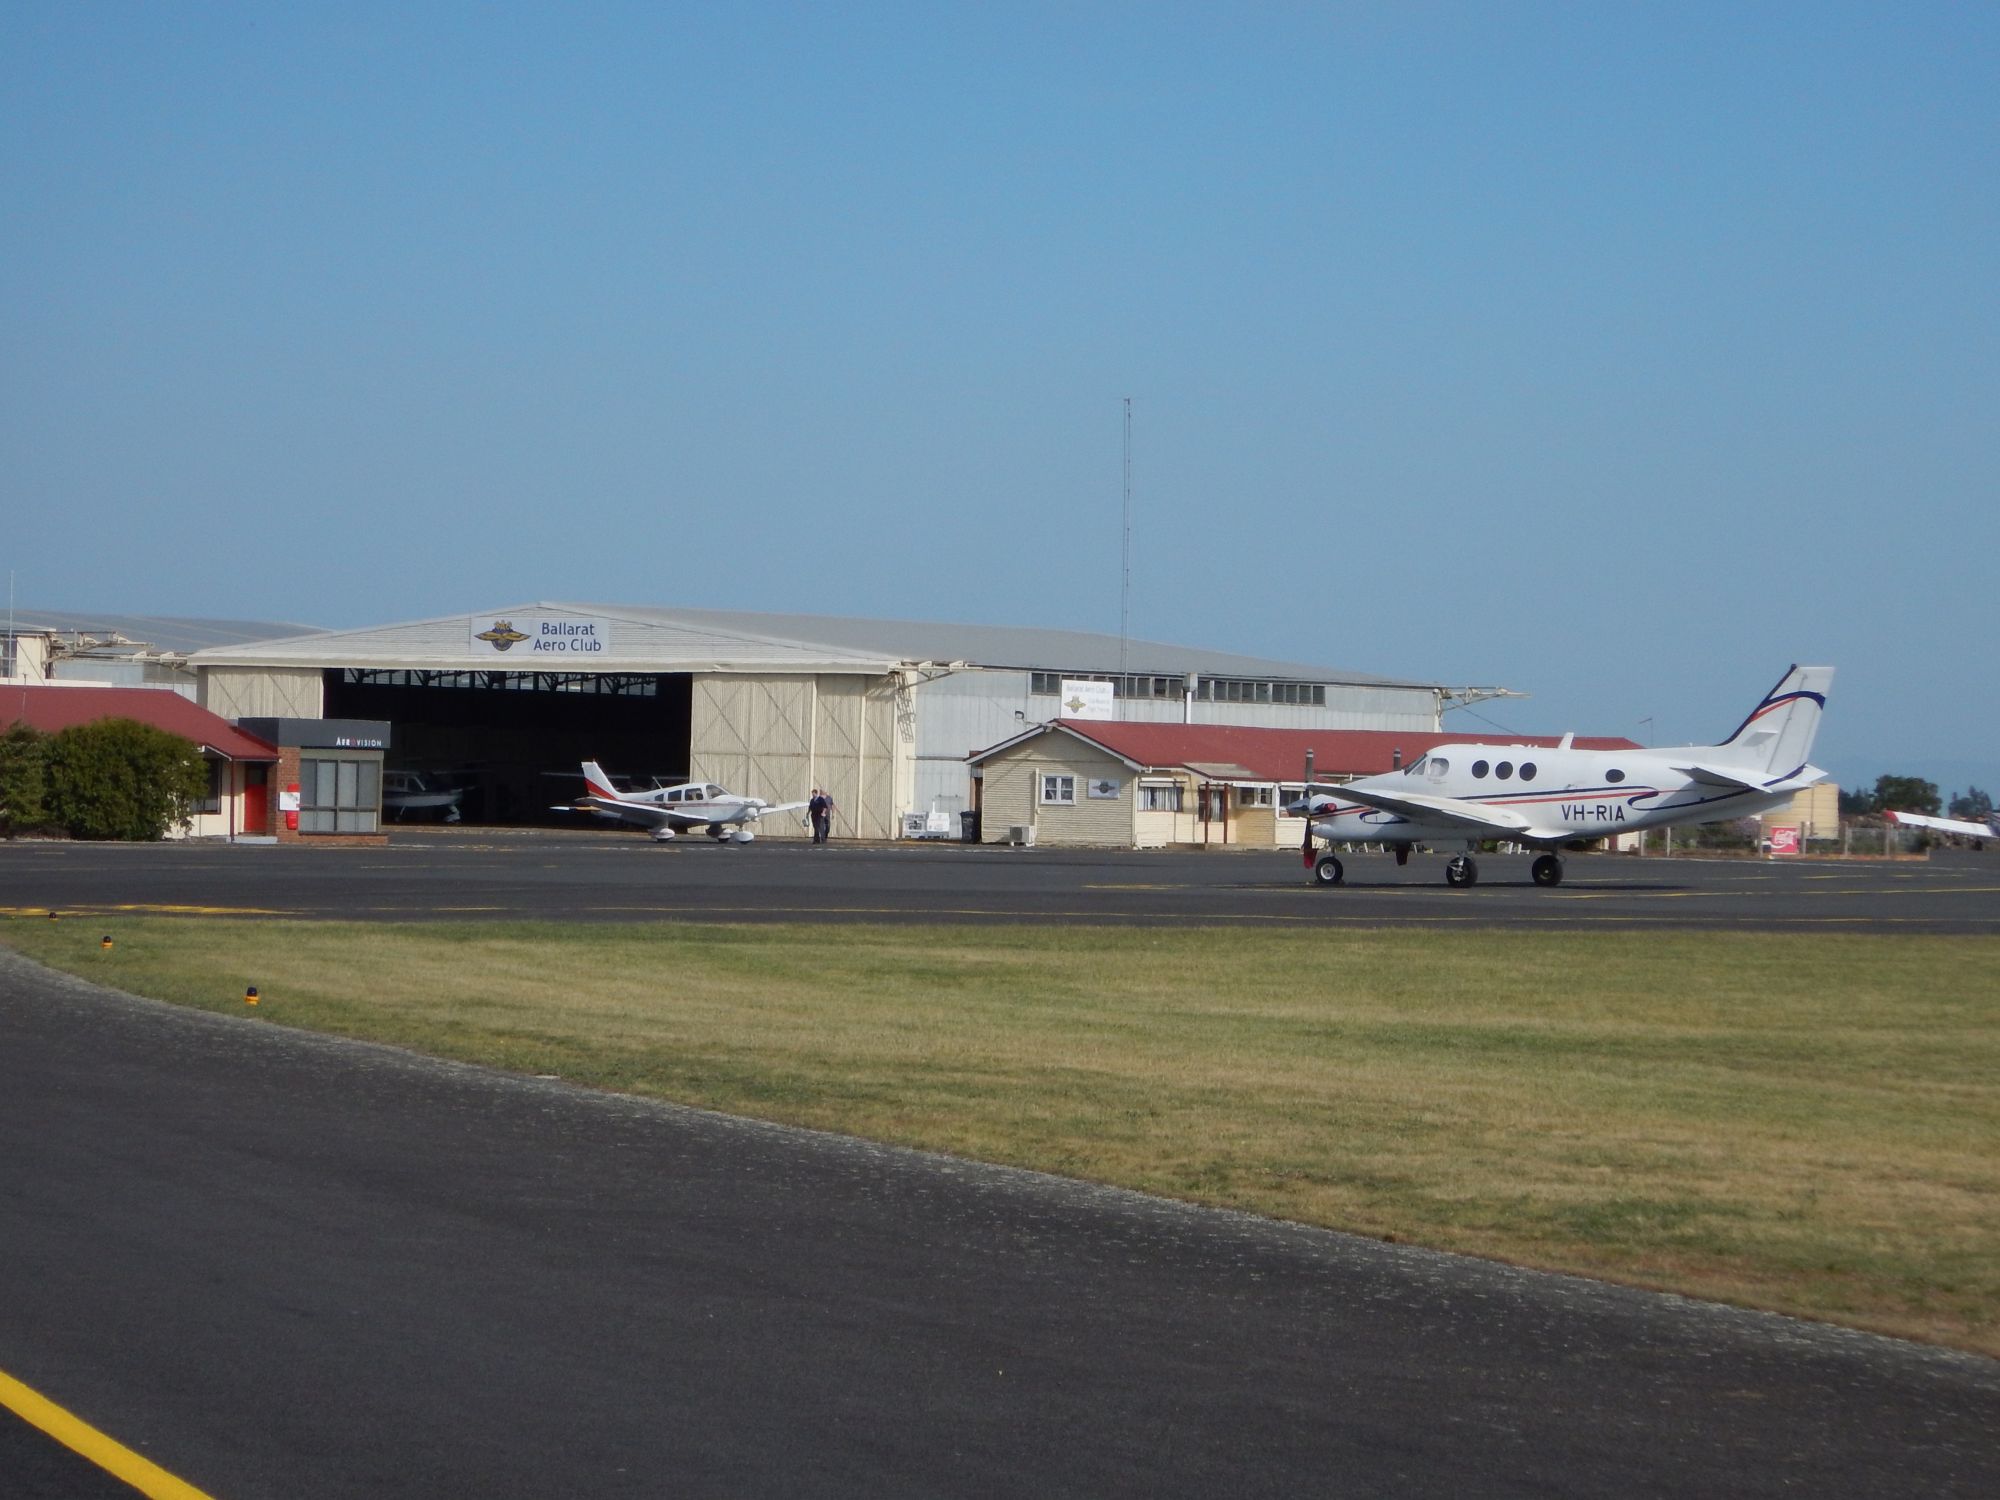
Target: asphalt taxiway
(608,876)
(281,1265)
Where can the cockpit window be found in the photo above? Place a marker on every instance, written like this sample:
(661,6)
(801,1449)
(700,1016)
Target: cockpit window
(1416,765)
(1435,766)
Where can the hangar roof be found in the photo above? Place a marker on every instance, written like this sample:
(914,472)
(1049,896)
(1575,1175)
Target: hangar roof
(173,634)
(1240,752)
(1026,646)
(633,640)
(642,638)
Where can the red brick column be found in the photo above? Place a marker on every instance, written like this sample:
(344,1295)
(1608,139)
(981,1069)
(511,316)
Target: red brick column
(284,778)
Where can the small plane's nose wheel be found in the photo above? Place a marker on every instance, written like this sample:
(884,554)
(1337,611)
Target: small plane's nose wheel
(1327,870)
(1459,870)
(1548,870)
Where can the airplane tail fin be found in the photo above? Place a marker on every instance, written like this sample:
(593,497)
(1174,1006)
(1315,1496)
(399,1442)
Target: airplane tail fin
(598,784)
(1778,736)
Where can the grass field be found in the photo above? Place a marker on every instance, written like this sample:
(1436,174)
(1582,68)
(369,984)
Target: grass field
(1810,1124)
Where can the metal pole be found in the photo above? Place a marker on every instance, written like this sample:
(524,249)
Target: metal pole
(1125,568)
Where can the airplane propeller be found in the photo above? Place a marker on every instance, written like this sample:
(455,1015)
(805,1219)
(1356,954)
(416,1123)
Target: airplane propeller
(1306,838)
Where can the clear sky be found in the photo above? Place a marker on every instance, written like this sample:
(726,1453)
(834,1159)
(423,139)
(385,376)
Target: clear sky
(1618,354)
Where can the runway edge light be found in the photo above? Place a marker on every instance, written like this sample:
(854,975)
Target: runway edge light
(250,995)
(105,942)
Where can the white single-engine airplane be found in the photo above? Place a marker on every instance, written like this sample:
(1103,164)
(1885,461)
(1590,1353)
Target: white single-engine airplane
(1548,798)
(669,809)
(1990,829)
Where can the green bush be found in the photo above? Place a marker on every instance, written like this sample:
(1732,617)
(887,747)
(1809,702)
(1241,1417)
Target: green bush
(22,780)
(120,779)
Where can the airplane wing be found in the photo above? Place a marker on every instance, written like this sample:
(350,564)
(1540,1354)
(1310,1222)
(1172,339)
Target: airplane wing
(1942,825)
(645,814)
(1420,807)
(778,807)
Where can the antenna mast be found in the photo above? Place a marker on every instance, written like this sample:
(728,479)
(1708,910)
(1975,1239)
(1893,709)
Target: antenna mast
(1125,572)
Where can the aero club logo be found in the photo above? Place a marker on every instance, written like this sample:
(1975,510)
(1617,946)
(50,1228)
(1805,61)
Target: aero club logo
(502,636)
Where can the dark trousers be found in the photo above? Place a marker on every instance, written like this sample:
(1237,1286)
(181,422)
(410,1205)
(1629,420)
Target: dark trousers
(822,825)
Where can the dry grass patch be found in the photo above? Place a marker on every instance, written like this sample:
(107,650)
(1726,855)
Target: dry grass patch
(1805,1123)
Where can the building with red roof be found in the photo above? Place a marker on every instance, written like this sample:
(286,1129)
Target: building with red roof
(239,763)
(1146,785)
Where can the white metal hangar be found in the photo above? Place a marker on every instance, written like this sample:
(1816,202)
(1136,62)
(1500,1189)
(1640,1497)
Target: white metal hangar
(880,713)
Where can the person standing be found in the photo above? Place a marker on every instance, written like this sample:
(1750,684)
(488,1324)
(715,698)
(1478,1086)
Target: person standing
(821,808)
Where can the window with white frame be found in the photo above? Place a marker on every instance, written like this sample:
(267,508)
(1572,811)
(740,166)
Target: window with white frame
(1253,796)
(1058,790)
(1161,796)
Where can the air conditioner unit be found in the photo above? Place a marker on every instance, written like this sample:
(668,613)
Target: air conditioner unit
(1022,834)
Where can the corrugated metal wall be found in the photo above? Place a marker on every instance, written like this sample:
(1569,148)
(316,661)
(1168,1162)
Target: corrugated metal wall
(779,736)
(262,692)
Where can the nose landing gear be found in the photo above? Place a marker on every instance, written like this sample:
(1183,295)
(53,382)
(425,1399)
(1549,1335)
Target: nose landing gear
(1327,870)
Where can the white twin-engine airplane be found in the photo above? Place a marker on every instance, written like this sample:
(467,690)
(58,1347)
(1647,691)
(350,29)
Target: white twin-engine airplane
(1548,798)
(669,809)
(1990,829)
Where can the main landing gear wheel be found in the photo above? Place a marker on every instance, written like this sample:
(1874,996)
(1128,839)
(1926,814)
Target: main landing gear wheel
(1460,870)
(1548,870)
(1327,870)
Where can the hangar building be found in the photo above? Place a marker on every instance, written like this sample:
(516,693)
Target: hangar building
(881,713)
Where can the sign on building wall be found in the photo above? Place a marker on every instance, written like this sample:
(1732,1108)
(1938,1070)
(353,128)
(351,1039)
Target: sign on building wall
(1087,700)
(1105,788)
(541,637)
(1784,838)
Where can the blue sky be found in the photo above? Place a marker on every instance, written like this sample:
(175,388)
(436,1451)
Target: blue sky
(1619,354)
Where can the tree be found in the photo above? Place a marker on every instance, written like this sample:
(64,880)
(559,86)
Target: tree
(1975,806)
(22,779)
(120,779)
(1906,794)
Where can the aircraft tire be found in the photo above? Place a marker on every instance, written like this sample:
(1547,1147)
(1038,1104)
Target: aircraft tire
(1460,871)
(1328,871)
(1548,870)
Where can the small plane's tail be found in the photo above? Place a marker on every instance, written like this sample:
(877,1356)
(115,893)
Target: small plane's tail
(598,784)
(1778,736)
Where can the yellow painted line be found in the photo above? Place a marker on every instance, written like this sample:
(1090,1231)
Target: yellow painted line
(145,1476)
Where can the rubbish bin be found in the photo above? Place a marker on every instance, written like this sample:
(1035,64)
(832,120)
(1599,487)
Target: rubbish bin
(968,826)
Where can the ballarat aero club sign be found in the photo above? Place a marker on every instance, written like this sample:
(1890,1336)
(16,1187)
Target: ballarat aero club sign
(541,637)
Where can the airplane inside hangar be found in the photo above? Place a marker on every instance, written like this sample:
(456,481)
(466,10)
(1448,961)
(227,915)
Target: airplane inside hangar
(512,741)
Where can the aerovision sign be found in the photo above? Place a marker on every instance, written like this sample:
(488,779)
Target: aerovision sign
(540,637)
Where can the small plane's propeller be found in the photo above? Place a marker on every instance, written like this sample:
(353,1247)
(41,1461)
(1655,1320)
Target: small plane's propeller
(1306,838)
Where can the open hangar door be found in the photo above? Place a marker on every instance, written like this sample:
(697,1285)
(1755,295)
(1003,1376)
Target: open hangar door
(515,741)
